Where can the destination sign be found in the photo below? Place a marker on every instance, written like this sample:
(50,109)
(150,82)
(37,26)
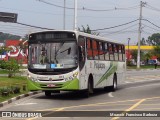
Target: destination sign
(51,35)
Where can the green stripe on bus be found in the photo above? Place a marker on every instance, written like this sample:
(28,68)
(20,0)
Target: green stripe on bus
(110,71)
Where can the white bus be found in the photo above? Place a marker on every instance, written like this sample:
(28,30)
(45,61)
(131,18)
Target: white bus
(73,61)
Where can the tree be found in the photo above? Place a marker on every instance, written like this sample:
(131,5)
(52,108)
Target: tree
(87,30)
(143,41)
(12,67)
(154,39)
(156,51)
(147,56)
(6,36)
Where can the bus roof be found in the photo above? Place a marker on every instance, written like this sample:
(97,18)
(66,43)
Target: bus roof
(83,34)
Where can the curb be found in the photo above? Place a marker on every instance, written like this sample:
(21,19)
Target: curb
(2,104)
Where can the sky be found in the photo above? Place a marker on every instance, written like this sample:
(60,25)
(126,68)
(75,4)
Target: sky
(98,14)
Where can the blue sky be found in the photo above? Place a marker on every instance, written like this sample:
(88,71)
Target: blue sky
(37,13)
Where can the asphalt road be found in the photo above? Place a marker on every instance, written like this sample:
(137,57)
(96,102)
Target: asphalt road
(140,92)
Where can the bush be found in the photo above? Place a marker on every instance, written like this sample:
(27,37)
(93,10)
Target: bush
(2,64)
(15,89)
(12,67)
(5,91)
(129,63)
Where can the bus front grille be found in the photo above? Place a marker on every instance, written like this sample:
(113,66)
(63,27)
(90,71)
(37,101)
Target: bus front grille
(52,80)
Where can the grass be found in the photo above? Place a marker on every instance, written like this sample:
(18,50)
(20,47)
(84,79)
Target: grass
(3,71)
(15,81)
(4,98)
(143,67)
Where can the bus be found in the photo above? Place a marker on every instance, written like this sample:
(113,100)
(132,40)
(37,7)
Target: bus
(74,61)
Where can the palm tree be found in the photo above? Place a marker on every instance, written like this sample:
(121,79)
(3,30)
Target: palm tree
(87,30)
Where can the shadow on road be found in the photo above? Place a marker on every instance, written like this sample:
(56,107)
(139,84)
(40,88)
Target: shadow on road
(76,95)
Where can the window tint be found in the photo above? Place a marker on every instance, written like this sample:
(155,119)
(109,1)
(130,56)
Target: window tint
(95,50)
(89,50)
(116,57)
(111,52)
(120,53)
(101,51)
(106,51)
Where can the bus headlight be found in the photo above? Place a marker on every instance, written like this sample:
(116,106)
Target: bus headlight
(75,74)
(33,79)
(72,77)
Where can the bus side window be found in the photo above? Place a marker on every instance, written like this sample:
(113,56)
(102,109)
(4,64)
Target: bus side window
(89,49)
(123,52)
(95,50)
(111,53)
(106,52)
(81,48)
(101,51)
(116,52)
(120,53)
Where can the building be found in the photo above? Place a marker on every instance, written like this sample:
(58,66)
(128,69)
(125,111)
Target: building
(16,51)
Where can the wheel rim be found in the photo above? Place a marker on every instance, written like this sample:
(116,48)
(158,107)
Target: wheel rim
(115,84)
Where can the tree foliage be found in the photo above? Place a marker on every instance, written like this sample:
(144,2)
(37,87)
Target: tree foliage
(7,36)
(87,30)
(156,51)
(11,66)
(154,39)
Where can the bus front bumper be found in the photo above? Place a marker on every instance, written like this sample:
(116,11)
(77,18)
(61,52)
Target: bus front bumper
(61,86)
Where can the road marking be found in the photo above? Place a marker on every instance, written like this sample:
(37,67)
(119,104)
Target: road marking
(110,94)
(142,86)
(131,108)
(94,104)
(16,104)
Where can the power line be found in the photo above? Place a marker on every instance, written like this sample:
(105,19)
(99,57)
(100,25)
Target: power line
(152,8)
(150,27)
(116,8)
(120,29)
(43,1)
(34,26)
(151,23)
(116,25)
(89,9)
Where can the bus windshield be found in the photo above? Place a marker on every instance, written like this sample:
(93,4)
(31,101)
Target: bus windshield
(53,55)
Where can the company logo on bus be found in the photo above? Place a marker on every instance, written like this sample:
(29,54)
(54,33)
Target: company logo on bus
(99,65)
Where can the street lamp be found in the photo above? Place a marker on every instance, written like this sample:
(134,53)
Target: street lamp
(128,47)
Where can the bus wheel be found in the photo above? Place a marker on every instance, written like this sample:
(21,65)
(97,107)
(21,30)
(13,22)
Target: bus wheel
(48,93)
(89,89)
(114,86)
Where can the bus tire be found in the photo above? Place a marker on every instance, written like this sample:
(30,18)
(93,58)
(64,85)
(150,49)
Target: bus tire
(48,93)
(89,89)
(114,86)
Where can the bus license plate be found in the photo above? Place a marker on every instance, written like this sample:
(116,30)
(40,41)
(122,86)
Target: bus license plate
(50,85)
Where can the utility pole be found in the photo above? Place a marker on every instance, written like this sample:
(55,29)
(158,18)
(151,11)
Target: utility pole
(75,15)
(64,17)
(128,48)
(142,4)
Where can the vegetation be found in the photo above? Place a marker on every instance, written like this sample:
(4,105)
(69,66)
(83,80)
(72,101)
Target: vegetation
(87,30)
(11,66)
(6,36)
(142,67)
(11,87)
